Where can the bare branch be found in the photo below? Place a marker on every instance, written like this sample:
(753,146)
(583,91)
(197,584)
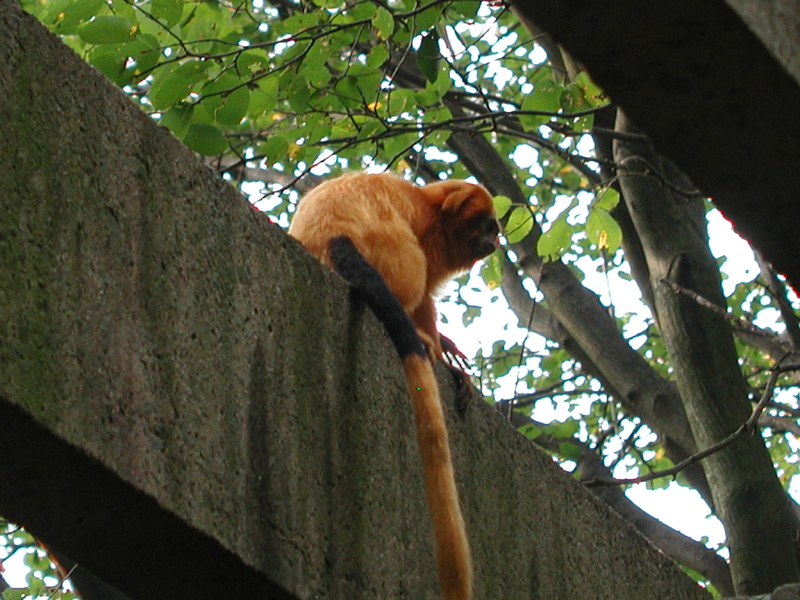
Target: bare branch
(748,426)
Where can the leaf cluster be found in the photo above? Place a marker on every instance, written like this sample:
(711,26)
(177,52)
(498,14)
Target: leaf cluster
(42,579)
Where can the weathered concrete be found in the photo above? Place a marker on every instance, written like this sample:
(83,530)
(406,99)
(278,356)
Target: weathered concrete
(777,26)
(190,406)
(709,93)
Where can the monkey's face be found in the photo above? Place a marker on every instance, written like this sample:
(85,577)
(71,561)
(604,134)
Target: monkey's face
(483,239)
(466,220)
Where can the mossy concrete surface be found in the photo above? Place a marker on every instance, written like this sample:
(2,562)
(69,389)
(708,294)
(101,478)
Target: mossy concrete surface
(191,407)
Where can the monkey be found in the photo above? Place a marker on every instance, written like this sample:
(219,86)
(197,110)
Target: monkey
(396,244)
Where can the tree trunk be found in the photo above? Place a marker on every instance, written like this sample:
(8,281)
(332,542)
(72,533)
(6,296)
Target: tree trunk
(747,495)
(594,336)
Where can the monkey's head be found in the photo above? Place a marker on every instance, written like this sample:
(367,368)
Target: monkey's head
(484,240)
(467,220)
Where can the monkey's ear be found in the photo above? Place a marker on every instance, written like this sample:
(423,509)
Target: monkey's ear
(450,195)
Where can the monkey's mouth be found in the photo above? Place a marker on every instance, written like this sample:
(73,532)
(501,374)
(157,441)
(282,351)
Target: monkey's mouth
(482,247)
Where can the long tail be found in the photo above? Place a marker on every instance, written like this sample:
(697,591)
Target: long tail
(452,547)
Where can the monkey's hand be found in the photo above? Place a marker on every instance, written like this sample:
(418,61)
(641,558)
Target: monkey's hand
(452,355)
(465,391)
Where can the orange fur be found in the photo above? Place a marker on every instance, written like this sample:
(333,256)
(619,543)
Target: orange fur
(417,238)
(414,236)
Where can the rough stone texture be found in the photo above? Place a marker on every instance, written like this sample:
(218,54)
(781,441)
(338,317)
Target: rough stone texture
(709,94)
(191,407)
(777,25)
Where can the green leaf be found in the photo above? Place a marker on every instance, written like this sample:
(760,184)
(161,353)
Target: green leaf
(438,115)
(177,119)
(603,231)
(428,55)
(123,8)
(362,71)
(227,99)
(397,146)
(574,100)
(146,51)
(377,57)
(355,11)
(299,94)
(383,21)
(607,199)
(546,97)
(15,594)
(252,63)
(347,92)
(315,127)
(661,483)
(531,431)
(317,77)
(492,271)
(426,97)
(468,9)
(442,83)
(429,17)
(234,106)
(592,92)
(78,12)
(168,11)
(264,98)
(298,23)
(201,115)
(107,29)
(439,137)
(501,205)
(274,149)
(569,451)
(371,128)
(519,224)
(563,429)
(555,241)
(36,587)
(170,87)
(205,139)
(110,64)
(401,100)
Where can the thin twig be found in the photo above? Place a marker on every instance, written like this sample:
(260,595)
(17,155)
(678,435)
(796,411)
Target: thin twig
(651,171)
(741,322)
(746,427)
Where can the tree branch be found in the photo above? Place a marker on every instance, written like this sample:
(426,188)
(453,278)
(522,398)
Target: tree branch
(749,426)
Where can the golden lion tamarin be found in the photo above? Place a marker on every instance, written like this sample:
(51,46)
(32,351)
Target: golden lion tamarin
(397,244)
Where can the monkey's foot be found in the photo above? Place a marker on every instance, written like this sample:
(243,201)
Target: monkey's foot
(465,391)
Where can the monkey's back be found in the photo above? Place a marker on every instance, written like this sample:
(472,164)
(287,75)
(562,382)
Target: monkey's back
(376,212)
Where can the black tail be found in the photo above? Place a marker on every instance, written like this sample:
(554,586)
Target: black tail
(452,546)
(365,279)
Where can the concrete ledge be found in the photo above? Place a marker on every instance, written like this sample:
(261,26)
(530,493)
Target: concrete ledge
(708,92)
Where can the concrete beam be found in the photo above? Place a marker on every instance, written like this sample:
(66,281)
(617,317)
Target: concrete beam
(710,93)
